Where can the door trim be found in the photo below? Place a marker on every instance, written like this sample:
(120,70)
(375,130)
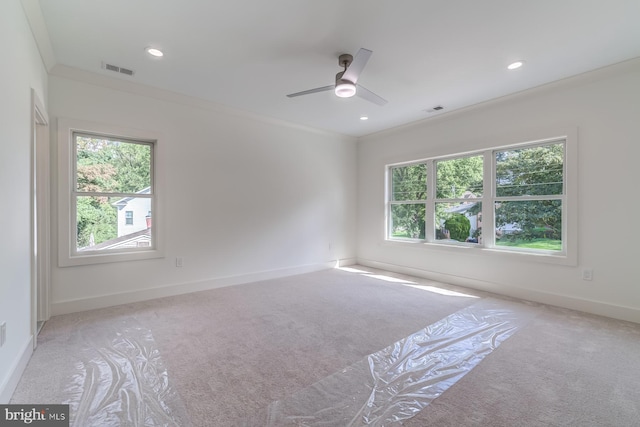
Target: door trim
(40,215)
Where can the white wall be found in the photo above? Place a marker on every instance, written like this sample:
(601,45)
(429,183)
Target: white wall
(245,198)
(605,107)
(21,70)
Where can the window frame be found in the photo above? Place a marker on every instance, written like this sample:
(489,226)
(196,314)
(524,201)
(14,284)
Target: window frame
(67,228)
(567,256)
(391,202)
(433,195)
(562,197)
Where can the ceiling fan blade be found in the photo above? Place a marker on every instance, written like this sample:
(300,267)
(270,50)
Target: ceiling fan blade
(316,90)
(357,65)
(365,93)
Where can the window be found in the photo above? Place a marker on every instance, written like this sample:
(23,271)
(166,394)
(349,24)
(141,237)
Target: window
(407,204)
(459,190)
(128,217)
(108,194)
(529,197)
(521,192)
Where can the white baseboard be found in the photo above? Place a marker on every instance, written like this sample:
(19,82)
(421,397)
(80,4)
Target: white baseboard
(8,386)
(588,306)
(102,301)
(345,262)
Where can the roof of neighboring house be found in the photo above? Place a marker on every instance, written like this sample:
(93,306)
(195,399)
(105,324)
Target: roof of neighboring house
(461,208)
(120,241)
(126,200)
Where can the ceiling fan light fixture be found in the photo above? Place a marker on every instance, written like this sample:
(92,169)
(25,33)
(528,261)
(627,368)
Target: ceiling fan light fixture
(345,89)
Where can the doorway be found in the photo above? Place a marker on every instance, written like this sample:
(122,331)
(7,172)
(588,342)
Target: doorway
(40,216)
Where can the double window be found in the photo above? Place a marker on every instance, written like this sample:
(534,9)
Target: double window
(512,198)
(108,195)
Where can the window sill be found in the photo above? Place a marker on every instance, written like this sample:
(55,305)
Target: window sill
(460,248)
(108,257)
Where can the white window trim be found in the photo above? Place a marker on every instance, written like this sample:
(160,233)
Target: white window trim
(569,256)
(66,218)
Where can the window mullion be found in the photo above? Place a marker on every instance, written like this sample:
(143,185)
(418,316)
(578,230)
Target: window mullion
(389,202)
(489,191)
(430,209)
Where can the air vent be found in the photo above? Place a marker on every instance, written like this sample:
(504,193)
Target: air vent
(434,109)
(117,69)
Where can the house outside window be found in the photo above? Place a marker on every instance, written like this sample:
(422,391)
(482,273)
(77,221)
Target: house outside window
(133,213)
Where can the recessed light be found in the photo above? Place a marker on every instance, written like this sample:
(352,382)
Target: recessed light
(154,52)
(363,118)
(515,65)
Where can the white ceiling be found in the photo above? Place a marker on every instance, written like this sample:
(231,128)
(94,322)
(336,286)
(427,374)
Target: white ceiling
(249,54)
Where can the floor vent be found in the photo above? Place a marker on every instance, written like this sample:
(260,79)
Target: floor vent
(117,69)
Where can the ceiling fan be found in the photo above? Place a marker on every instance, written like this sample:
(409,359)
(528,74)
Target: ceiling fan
(347,80)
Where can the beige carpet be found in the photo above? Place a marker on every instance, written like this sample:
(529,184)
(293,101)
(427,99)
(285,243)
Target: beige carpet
(218,358)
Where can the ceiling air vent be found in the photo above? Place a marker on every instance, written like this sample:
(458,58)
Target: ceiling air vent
(117,69)
(434,109)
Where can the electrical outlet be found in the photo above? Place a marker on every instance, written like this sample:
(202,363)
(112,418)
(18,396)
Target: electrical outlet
(3,333)
(587,274)
(179,262)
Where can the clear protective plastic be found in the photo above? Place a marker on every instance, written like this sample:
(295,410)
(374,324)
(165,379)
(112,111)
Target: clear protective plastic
(119,379)
(397,382)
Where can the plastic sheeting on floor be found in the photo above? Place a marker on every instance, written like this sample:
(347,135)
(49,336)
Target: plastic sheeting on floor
(119,379)
(396,383)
